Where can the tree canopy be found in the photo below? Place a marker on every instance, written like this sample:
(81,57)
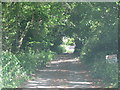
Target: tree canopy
(42,25)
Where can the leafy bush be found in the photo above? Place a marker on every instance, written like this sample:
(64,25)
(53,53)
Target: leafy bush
(93,54)
(105,71)
(12,72)
(17,67)
(69,41)
(100,69)
(59,49)
(31,60)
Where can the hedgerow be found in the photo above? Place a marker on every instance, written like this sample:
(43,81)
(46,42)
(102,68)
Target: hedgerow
(94,54)
(16,68)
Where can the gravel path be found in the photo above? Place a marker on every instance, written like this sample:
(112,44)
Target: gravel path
(65,71)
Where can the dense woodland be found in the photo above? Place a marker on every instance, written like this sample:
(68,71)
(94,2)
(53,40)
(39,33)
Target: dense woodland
(33,32)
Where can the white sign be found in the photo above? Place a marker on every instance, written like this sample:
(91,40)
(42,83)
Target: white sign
(111,58)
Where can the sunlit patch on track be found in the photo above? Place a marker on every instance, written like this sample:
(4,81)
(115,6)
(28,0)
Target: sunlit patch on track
(65,71)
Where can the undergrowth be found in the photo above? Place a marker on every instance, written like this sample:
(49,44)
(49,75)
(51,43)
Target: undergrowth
(100,69)
(17,67)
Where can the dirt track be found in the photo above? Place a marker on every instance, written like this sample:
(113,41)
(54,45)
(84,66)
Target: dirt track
(65,71)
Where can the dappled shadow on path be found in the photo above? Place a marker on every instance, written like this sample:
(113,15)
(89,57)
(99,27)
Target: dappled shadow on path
(65,71)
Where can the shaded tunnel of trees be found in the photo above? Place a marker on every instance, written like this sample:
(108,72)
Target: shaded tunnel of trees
(41,27)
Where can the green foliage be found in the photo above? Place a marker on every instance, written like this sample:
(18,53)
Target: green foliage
(101,40)
(93,54)
(68,41)
(59,49)
(31,60)
(108,72)
(33,25)
(12,73)
(17,67)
